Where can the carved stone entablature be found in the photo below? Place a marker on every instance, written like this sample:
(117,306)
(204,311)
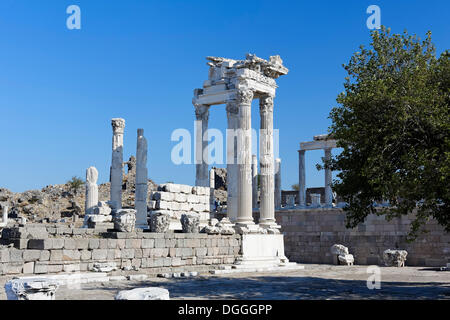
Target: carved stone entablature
(118,125)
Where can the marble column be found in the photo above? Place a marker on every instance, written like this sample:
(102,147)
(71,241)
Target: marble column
(232,118)
(244,133)
(140,200)
(301,179)
(267,184)
(212,175)
(91,190)
(201,161)
(328,181)
(278,183)
(116,178)
(254,181)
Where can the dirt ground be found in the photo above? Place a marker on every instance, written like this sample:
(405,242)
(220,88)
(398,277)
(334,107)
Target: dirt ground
(314,282)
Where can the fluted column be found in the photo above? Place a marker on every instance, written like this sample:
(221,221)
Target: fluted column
(141,181)
(116,178)
(278,183)
(201,164)
(267,187)
(301,179)
(91,199)
(244,99)
(254,181)
(328,181)
(232,119)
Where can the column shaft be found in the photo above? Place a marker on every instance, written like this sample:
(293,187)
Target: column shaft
(266,162)
(118,126)
(328,181)
(278,183)
(232,114)
(254,181)
(141,181)
(301,178)
(201,158)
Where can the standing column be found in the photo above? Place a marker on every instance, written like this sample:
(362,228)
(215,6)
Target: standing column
(232,118)
(212,183)
(328,181)
(116,178)
(267,187)
(254,181)
(301,179)
(140,200)
(201,126)
(91,190)
(244,133)
(278,183)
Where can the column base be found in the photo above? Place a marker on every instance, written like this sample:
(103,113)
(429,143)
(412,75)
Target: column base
(142,226)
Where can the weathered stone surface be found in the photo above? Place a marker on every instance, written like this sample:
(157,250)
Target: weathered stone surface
(346,258)
(91,189)
(190,223)
(150,293)
(104,266)
(339,249)
(31,289)
(159,221)
(124,220)
(395,258)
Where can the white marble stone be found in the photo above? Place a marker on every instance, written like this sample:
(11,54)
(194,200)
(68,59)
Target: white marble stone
(149,293)
(116,178)
(254,181)
(31,289)
(141,181)
(395,257)
(124,220)
(91,190)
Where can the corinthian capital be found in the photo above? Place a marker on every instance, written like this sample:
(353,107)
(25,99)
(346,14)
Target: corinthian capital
(232,108)
(245,96)
(118,125)
(266,104)
(201,111)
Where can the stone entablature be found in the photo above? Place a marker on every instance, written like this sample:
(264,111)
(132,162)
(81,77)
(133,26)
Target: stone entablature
(79,249)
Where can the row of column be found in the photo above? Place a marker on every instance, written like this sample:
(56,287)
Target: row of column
(302,179)
(241,166)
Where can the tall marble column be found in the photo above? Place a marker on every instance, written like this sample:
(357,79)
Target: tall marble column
(301,179)
(91,190)
(328,181)
(212,175)
(140,200)
(244,133)
(116,178)
(267,186)
(254,181)
(278,183)
(201,165)
(232,118)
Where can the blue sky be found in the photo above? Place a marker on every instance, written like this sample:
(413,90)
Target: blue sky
(141,60)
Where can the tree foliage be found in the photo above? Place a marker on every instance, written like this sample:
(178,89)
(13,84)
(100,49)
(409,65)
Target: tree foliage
(75,184)
(393,123)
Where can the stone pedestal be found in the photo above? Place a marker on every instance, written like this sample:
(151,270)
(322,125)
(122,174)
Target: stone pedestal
(262,250)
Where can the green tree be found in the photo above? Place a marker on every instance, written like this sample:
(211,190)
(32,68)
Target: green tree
(295,187)
(75,184)
(393,124)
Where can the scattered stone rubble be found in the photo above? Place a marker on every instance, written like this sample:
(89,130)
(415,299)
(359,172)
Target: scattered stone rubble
(341,255)
(395,258)
(31,289)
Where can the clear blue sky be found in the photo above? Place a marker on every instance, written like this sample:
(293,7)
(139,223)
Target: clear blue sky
(141,60)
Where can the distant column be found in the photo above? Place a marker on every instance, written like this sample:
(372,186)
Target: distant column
(301,179)
(202,116)
(278,183)
(328,181)
(212,174)
(91,190)
(141,181)
(254,181)
(116,178)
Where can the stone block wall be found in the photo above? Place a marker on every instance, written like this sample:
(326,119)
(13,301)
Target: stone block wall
(176,199)
(58,249)
(309,234)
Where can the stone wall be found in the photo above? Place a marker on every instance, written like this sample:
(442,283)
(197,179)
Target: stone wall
(309,234)
(40,250)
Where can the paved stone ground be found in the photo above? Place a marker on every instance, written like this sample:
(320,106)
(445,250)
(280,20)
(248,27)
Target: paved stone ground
(315,282)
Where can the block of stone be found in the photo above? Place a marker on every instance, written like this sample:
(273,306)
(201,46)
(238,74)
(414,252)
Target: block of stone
(104,267)
(137,277)
(159,221)
(149,293)
(339,249)
(346,258)
(31,289)
(162,195)
(395,258)
(102,208)
(124,220)
(185,189)
(95,218)
(180,197)
(165,205)
(190,223)
(170,187)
